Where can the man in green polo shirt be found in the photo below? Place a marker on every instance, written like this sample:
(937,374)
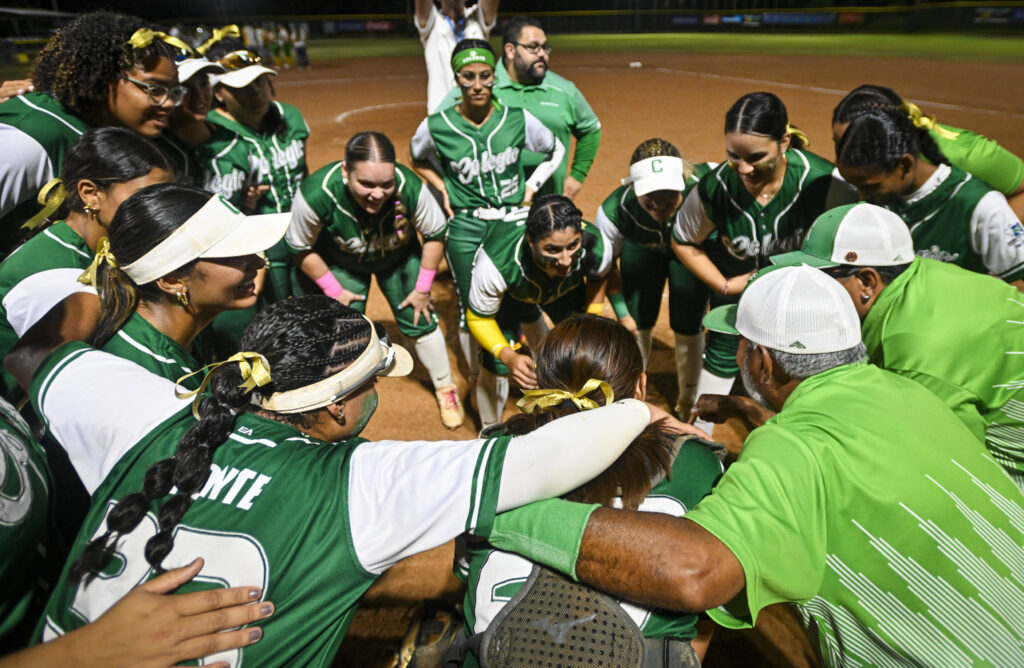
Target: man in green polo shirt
(957,332)
(865,501)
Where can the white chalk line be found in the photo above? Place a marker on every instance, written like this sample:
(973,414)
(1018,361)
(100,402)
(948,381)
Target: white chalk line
(340,118)
(315,82)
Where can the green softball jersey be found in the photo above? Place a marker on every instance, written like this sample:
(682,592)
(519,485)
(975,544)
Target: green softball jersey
(959,334)
(493,577)
(37,132)
(870,505)
(749,231)
(33,279)
(981,156)
(311,523)
(237,157)
(182,159)
(139,341)
(957,218)
(24,521)
(481,165)
(505,266)
(360,241)
(561,107)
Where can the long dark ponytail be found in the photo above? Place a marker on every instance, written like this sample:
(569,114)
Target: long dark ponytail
(304,340)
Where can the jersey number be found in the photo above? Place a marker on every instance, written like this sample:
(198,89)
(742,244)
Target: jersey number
(230,560)
(509,187)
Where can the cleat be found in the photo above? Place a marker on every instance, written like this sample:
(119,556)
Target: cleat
(448,402)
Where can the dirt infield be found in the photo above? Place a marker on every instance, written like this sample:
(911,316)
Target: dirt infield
(680,97)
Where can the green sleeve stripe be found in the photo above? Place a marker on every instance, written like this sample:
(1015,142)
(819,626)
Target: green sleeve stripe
(486,485)
(1013,273)
(583,157)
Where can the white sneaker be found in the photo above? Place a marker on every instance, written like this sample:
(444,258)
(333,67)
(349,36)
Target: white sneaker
(448,402)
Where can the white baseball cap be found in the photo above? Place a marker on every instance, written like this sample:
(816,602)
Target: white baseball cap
(662,172)
(241,68)
(218,229)
(191,66)
(793,309)
(862,234)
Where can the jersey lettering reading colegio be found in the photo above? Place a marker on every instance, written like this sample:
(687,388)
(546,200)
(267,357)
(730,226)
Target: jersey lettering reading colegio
(312,523)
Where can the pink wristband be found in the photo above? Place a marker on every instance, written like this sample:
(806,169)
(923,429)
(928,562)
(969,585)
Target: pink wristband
(330,285)
(425,280)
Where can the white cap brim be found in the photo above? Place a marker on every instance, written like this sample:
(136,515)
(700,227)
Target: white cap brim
(662,172)
(241,78)
(192,66)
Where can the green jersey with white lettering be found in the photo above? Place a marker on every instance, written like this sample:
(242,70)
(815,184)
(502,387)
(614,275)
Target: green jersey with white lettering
(33,279)
(870,505)
(959,334)
(144,344)
(237,157)
(750,232)
(311,523)
(481,165)
(357,240)
(24,519)
(38,131)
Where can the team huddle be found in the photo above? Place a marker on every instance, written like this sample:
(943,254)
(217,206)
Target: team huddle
(182,314)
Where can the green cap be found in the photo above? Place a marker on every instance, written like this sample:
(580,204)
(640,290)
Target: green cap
(860,234)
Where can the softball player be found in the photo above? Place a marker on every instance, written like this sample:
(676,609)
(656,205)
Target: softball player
(372,210)
(761,202)
(176,258)
(100,69)
(441,30)
(952,216)
(971,152)
(478,143)
(550,261)
(273,484)
(103,168)
(636,220)
(584,362)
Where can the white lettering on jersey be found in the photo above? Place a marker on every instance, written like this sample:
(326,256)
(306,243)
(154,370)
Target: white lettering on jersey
(289,157)
(469,168)
(228,184)
(220,478)
(936,253)
(14,461)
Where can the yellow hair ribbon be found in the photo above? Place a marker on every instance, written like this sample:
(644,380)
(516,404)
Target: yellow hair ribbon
(103,254)
(143,37)
(545,398)
(595,308)
(255,370)
(219,34)
(51,196)
(924,121)
(799,134)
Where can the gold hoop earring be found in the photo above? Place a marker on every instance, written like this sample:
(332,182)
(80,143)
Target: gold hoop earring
(183,297)
(340,419)
(91,212)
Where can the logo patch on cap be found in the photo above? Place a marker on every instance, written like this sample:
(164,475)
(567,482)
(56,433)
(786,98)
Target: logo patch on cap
(797,345)
(851,257)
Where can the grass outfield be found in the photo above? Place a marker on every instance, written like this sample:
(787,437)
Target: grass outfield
(941,46)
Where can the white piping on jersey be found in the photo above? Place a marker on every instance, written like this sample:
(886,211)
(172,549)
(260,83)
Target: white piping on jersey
(501,123)
(48,113)
(224,152)
(636,221)
(252,441)
(938,209)
(264,161)
(472,145)
(477,501)
(750,219)
(65,244)
(799,189)
(775,223)
(142,348)
(288,182)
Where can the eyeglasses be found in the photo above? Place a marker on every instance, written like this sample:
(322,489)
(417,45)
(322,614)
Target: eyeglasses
(466,78)
(158,93)
(535,48)
(237,60)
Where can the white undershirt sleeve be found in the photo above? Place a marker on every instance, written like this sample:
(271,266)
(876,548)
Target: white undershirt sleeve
(25,168)
(304,227)
(997,235)
(540,139)
(422,145)
(487,286)
(613,238)
(98,406)
(692,224)
(428,218)
(33,297)
(840,192)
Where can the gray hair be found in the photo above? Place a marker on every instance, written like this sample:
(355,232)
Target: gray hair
(805,366)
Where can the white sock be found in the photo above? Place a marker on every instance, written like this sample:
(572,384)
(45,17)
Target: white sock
(689,358)
(468,345)
(491,395)
(709,383)
(433,354)
(645,339)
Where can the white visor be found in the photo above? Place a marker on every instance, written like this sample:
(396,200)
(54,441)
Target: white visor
(242,77)
(380,358)
(662,172)
(192,66)
(216,230)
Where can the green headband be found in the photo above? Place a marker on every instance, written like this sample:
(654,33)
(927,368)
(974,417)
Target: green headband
(471,55)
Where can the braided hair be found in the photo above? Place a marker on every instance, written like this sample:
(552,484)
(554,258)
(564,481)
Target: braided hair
(652,148)
(304,340)
(588,346)
(870,98)
(762,114)
(87,56)
(882,137)
(106,157)
(142,221)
